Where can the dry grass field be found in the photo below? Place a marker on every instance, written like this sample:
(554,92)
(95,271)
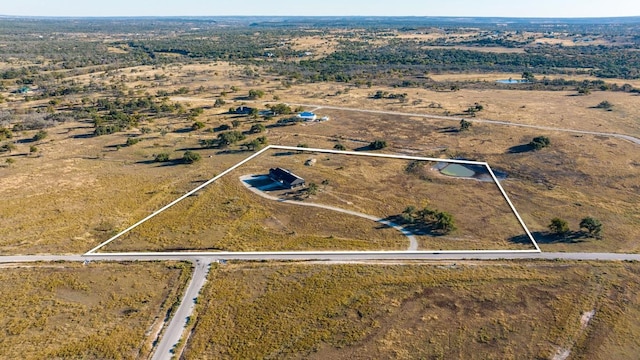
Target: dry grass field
(434,311)
(95,311)
(77,190)
(226,216)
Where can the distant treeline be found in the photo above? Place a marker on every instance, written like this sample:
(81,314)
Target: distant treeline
(44,45)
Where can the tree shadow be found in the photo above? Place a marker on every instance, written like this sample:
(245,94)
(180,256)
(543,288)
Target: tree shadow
(364,148)
(416,228)
(193,148)
(449,130)
(173,162)
(284,153)
(184,130)
(83,136)
(572,237)
(26,141)
(231,151)
(518,149)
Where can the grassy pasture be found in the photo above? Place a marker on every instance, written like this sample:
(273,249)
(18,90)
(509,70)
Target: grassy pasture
(443,311)
(226,216)
(96,311)
(77,191)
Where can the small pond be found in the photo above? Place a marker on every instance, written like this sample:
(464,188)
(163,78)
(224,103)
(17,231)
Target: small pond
(512,81)
(457,170)
(477,172)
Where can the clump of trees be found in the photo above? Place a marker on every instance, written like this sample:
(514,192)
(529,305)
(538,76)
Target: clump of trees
(378,145)
(589,226)
(387,95)
(230,137)
(528,76)
(256,144)
(280,109)
(540,142)
(438,221)
(255,94)
(190,157)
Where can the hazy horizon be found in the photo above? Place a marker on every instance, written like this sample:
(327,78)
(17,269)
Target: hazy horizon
(333,8)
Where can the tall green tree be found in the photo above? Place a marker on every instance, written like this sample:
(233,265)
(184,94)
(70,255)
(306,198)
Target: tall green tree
(558,226)
(592,226)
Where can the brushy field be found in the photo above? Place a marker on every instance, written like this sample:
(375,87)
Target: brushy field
(78,190)
(576,177)
(227,216)
(454,311)
(96,311)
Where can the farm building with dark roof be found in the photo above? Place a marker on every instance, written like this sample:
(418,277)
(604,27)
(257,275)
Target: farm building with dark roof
(286,178)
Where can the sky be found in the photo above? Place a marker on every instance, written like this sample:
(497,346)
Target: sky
(478,8)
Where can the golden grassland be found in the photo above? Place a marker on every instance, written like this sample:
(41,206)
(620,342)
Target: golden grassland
(384,188)
(95,311)
(77,191)
(226,216)
(445,311)
(560,109)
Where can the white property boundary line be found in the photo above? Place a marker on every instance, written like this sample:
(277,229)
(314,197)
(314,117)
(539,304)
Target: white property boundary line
(326,151)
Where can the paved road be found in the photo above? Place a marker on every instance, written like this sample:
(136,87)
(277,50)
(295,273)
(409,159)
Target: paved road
(632,139)
(363,256)
(326,256)
(413,242)
(173,333)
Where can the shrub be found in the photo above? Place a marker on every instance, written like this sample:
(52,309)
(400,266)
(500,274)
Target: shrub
(257,128)
(219,103)
(540,142)
(378,144)
(40,135)
(162,157)
(9,147)
(340,147)
(197,125)
(5,133)
(190,157)
(604,105)
(132,141)
(256,94)
(465,125)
